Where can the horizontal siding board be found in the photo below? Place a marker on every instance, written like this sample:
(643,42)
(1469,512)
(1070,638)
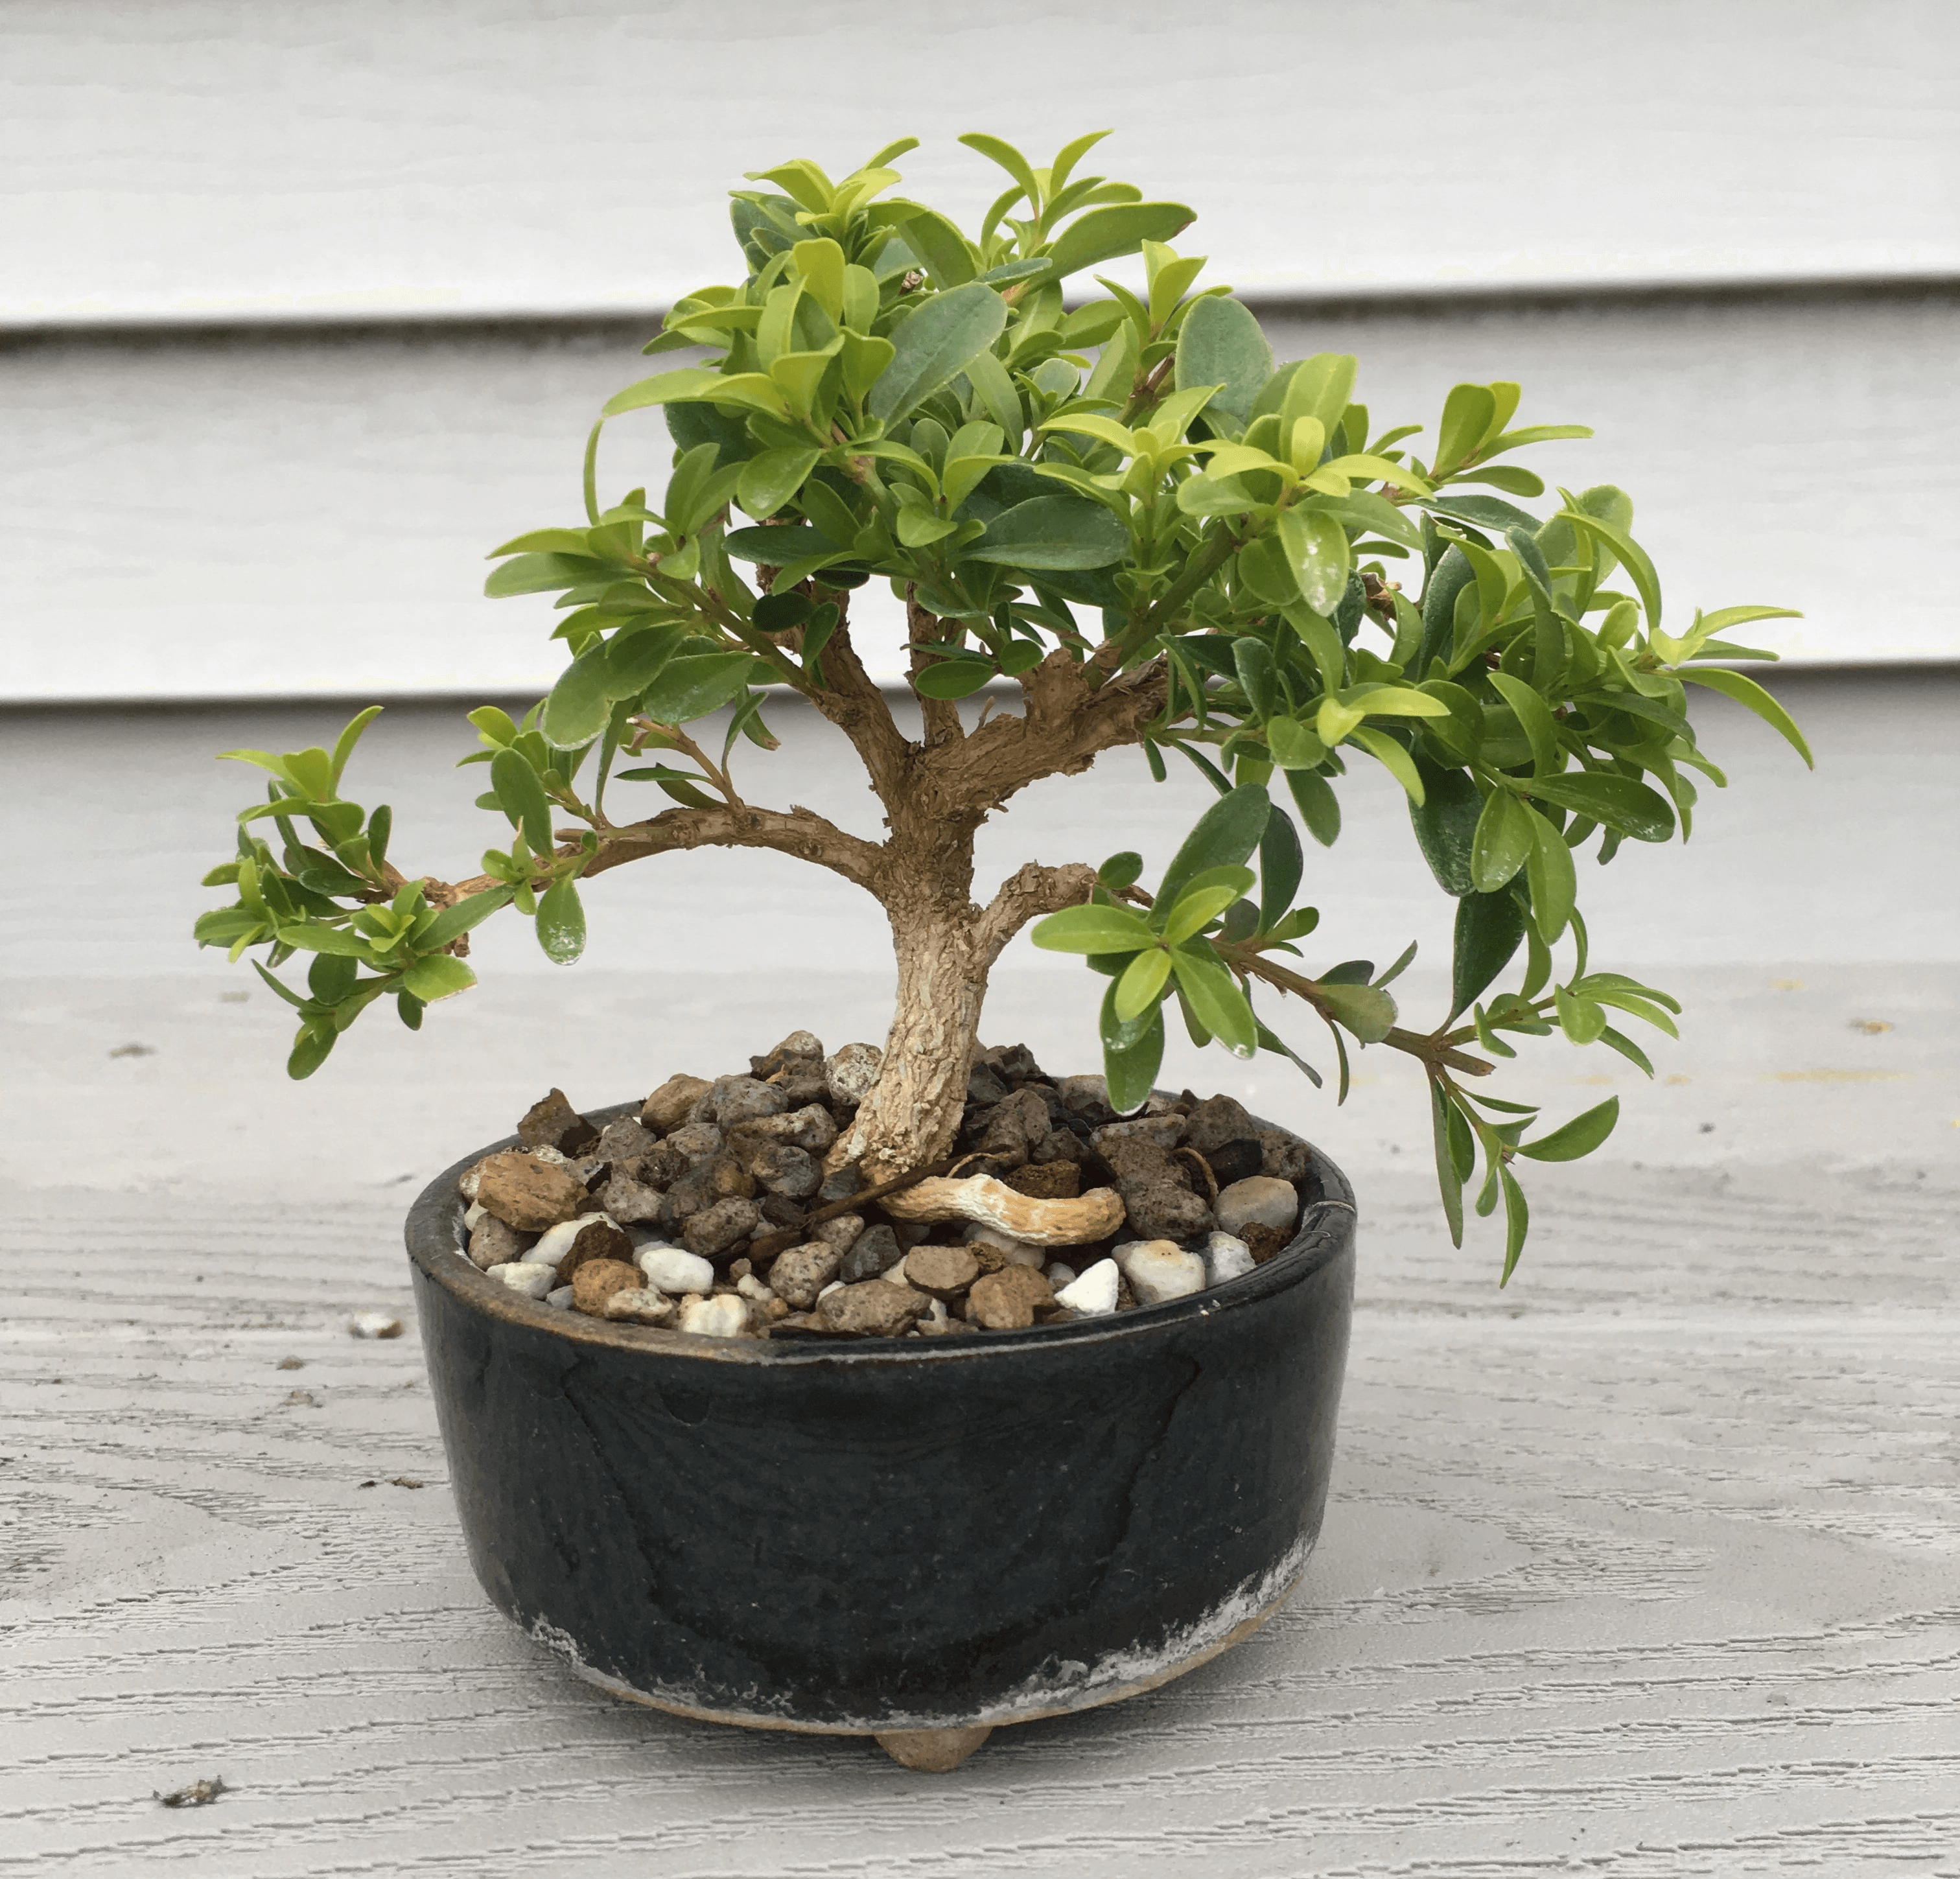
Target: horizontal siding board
(307,512)
(329,158)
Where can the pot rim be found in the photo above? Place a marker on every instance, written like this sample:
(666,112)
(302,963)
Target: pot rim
(429,1232)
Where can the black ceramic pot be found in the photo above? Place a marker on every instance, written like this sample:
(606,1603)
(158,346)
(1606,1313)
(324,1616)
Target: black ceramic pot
(886,1537)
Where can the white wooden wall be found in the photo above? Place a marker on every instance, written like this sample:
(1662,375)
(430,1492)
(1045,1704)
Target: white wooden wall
(258,435)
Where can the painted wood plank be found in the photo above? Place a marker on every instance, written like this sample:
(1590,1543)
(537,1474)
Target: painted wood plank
(309,512)
(321,160)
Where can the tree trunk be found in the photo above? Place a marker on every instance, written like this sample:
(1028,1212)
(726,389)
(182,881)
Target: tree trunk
(911,1116)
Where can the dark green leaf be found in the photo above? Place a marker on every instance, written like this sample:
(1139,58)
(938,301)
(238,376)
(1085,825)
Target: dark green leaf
(1223,837)
(1500,842)
(1487,512)
(1622,803)
(1281,863)
(310,1049)
(1131,1055)
(1215,997)
(331,977)
(1445,824)
(934,346)
(453,922)
(1120,228)
(1517,1222)
(522,793)
(777,547)
(1488,928)
(952,677)
(1220,343)
(1319,808)
(561,925)
(694,684)
(1450,1183)
(1053,531)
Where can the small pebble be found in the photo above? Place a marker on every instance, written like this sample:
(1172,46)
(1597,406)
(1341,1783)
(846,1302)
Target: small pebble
(1018,1252)
(872,1308)
(472,1215)
(1226,1257)
(671,1269)
(638,1304)
(596,1280)
(751,1287)
(374,1324)
(727,1316)
(1159,1270)
(1007,1300)
(936,1320)
(1262,1201)
(527,1277)
(1093,1294)
(561,1299)
(801,1274)
(943,1272)
(895,1275)
(1060,1275)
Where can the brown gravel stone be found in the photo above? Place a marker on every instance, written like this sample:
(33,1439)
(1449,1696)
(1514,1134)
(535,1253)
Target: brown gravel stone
(493,1242)
(841,1233)
(638,1305)
(1047,1180)
(990,1258)
(1287,1158)
(1262,1241)
(666,1109)
(597,1279)
(1007,1300)
(551,1122)
(943,1272)
(528,1193)
(597,1240)
(1155,1188)
(873,1309)
(719,1229)
(801,1273)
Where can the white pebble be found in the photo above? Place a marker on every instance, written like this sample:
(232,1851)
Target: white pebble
(641,1305)
(472,1217)
(1094,1294)
(561,1298)
(1159,1270)
(936,1318)
(836,1284)
(670,1269)
(727,1316)
(751,1287)
(896,1274)
(1060,1275)
(1018,1252)
(555,1242)
(525,1275)
(374,1324)
(1226,1257)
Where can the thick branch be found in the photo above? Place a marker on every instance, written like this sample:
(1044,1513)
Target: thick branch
(851,700)
(1030,892)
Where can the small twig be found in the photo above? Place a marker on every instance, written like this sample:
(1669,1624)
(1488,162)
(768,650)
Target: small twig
(784,1237)
(1211,1179)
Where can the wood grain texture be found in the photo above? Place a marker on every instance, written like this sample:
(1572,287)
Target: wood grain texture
(309,512)
(1645,1567)
(212,158)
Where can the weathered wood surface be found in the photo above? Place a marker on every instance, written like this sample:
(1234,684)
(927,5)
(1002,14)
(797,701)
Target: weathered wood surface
(343,158)
(1648,1567)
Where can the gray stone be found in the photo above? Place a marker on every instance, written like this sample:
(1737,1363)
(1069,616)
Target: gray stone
(1226,1257)
(840,1232)
(1014,1127)
(734,1099)
(812,1128)
(1167,1131)
(872,1309)
(631,1202)
(874,1252)
(850,1074)
(688,1148)
(1086,1096)
(1287,1158)
(1215,1121)
(623,1142)
(801,1274)
(494,1242)
(840,1183)
(1262,1201)
(780,1168)
(1157,1196)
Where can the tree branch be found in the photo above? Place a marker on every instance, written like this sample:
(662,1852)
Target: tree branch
(941,715)
(1028,894)
(851,700)
(799,832)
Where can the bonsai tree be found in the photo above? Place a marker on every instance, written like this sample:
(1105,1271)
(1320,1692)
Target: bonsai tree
(1157,537)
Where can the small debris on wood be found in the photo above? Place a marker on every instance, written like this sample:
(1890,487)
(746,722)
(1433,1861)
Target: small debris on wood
(374,1324)
(300,1399)
(137,1049)
(196,1794)
(291,1363)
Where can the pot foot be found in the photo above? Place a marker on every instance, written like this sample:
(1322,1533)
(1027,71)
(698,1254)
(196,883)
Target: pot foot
(932,1751)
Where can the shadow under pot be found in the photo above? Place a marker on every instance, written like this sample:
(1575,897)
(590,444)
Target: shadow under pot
(917,1539)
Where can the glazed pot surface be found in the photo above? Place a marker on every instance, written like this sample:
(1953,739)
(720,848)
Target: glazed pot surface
(887,1533)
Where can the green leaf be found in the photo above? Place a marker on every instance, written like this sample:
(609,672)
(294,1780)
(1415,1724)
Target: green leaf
(1517,1222)
(933,345)
(1093,929)
(1449,1183)
(692,685)
(1318,554)
(1118,228)
(331,976)
(581,702)
(1446,824)
(1502,840)
(1223,837)
(1467,413)
(310,1049)
(768,481)
(777,547)
(1195,909)
(1579,1019)
(522,793)
(1392,757)
(561,924)
(1293,745)
(1281,864)
(1581,1135)
(1746,692)
(1549,872)
(1629,552)
(441,975)
(952,677)
(1319,807)
(1488,928)
(343,748)
(1626,806)
(1220,343)
(453,922)
(696,384)
(1535,720)
(1130,1055)
(1053,531)
(1142,984)
(1220,1006)
(1366,1010)
(541,574)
